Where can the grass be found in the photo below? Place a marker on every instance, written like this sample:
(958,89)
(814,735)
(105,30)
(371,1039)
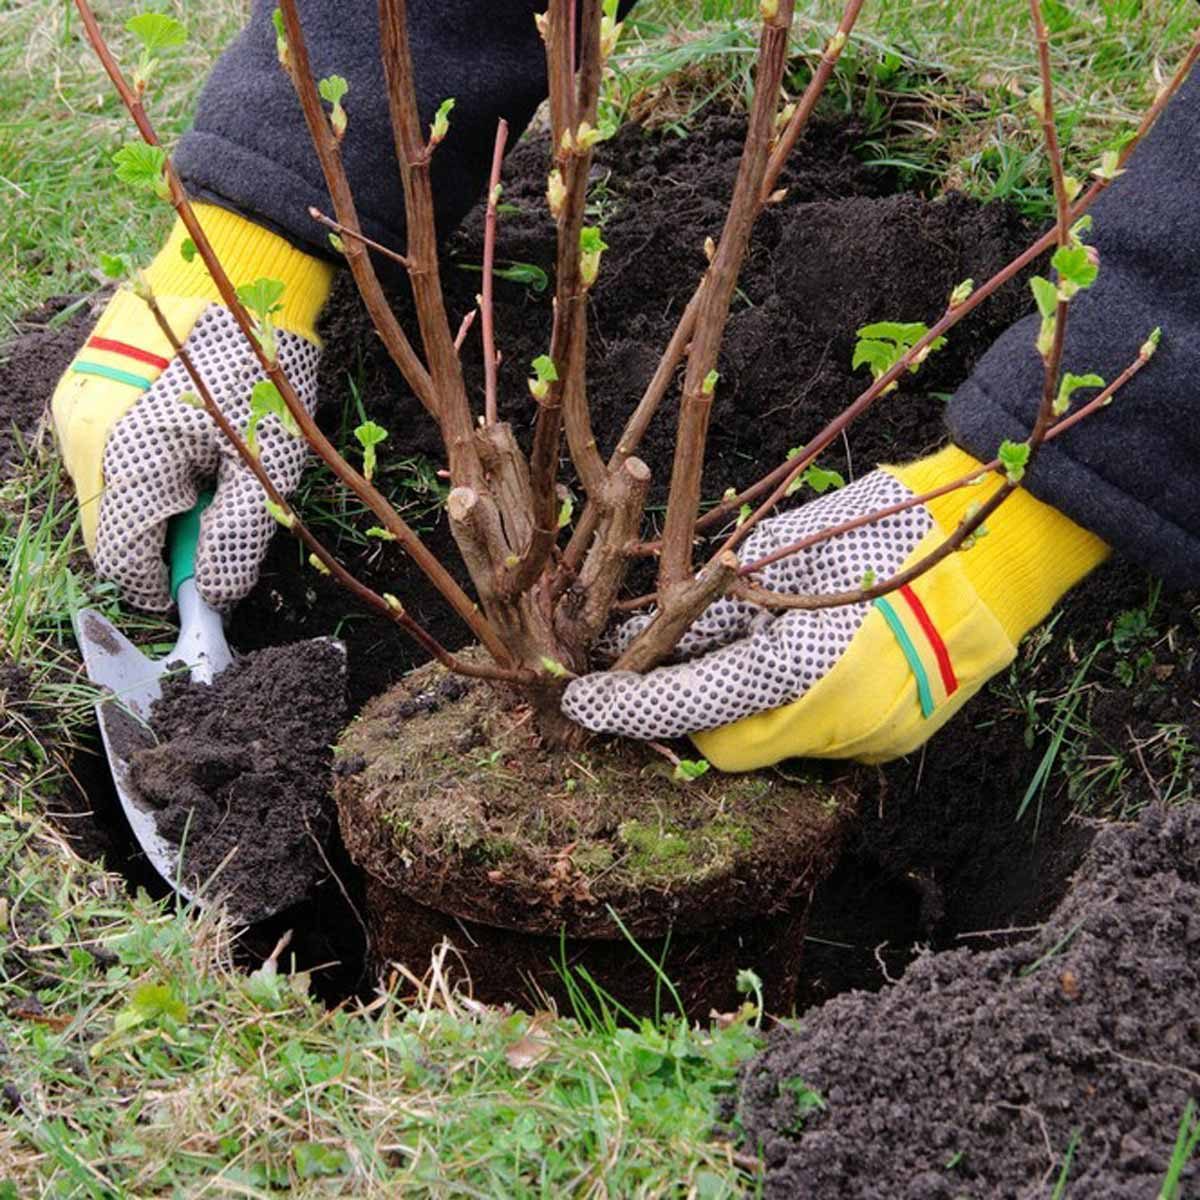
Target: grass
(59,126)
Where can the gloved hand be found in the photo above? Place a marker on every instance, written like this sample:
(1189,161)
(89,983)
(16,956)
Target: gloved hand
(869,681)
(138,454)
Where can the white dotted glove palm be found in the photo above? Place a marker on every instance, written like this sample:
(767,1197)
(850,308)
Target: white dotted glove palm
(164,451)
(139,454)
(742,659)
(870,681)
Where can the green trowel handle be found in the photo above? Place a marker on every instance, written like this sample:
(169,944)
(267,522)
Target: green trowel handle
(183,532)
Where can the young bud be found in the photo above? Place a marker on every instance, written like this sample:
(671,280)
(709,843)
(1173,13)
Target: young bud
(1108,169)
(496,193)
(710,383)
(539,389)
(280,514)
(769,9)
(585,136)
(710,249)
(543,25)
(784,115)
(777,196)
(1072,186)
(836,44)
(556,193)
(1150,345)
(317,564)
(1045,338)
(961,293)
(393,603)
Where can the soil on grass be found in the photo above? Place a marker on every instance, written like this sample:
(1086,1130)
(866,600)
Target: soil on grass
(30,365)
(975,1073)
(238,777)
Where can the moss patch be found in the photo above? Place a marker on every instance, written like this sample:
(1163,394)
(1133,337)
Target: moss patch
(445,792)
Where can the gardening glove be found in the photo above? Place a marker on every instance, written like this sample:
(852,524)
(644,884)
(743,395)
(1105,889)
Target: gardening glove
(138,454)
(869,681)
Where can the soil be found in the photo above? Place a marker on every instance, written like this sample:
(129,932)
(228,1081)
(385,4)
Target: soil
(30,365)
(971,1076)
(239,774)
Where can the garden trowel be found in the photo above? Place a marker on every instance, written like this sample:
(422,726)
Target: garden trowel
(132,683)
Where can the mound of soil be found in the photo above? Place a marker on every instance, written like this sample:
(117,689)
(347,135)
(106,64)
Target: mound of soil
(239,777)
(971,1076)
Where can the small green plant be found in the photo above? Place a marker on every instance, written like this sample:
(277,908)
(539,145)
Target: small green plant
(688,770)
(805,1098)
(1187,1143)
(369,435)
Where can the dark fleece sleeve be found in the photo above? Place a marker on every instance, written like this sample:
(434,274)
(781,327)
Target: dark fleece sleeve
(249,149)
(1131,472)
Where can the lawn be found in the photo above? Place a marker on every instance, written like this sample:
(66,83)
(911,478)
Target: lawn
(136,1059)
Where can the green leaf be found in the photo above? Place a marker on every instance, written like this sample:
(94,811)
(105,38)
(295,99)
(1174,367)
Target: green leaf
(529,274)
(904,333)
(369,436)
(879,356)
(544,368)
(1046,295)
(590,240)
(141,166)
(262,297)
(265,401)
(687,770)
(1069,385)
(384,535)
(1075,268)
(116,266)
(156,31)
(187,250)
(333,88)
(441,121)
(1013,458)
(553,667)
(313,1159)
(821,480)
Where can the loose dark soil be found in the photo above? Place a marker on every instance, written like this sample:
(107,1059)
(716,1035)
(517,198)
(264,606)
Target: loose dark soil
(971,1075)
(240,774)
(30,365)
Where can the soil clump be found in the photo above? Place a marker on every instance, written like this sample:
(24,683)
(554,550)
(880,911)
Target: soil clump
(239,774)
(450,803)
(971,1075)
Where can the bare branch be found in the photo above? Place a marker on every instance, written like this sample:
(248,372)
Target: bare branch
(696,404)
(329,155)
(413,155)
(693,596)
(358,235)
(488,329)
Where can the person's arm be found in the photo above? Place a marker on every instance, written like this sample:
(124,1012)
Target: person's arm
(1132,473)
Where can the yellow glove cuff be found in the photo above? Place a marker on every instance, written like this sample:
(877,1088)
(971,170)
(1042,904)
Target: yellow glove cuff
(1031,553)
(247,252)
